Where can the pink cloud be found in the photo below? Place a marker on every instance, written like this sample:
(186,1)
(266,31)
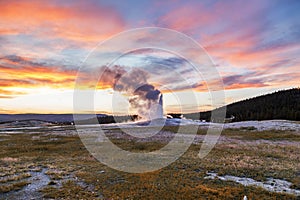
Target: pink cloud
(235,35)
(79,21)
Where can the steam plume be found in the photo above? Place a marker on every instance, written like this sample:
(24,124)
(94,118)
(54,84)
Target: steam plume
(143,96)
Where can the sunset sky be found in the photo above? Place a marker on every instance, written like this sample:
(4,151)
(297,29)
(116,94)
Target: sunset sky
(255,46)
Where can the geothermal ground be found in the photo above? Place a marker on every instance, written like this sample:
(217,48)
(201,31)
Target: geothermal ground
(256,159)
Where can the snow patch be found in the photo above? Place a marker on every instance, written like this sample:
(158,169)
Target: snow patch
(271,184)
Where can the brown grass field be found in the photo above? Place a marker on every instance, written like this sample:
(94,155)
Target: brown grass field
(50,164)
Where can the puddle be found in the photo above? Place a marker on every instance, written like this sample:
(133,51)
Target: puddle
(31,191)
(272,185)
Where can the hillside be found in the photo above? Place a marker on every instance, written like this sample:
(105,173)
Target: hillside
(283,104)
(30,119)
(52,118)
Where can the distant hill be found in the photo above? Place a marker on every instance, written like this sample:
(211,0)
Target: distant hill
(63,118)
(53,118)
(283,104)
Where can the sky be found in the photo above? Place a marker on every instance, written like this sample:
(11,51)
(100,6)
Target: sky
(254,45)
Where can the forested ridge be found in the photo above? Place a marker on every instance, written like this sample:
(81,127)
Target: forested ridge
(284,104)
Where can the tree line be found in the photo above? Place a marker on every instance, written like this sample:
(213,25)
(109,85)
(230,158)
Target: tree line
(284,104)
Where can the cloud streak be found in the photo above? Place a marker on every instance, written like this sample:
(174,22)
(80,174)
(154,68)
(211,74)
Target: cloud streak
(19,72)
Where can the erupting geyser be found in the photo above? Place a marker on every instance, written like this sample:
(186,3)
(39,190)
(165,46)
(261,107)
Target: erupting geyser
(142,96)
(156,110)
(148,102)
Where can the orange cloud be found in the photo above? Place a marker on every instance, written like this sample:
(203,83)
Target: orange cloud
(37,73)
(79,21)
(244,85)
(9,94)
(21,73)
(17,73)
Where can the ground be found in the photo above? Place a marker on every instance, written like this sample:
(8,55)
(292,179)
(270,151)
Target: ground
(52,162)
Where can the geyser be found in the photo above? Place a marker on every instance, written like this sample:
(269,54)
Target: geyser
(148,102)
(143,97)
(156,109)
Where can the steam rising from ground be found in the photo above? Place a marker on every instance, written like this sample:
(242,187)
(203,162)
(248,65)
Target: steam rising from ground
(143,97)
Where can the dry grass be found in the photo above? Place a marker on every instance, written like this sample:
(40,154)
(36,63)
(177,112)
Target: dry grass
(69,190)
(82,177)
(13,186)
(14,177)
(272,135)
